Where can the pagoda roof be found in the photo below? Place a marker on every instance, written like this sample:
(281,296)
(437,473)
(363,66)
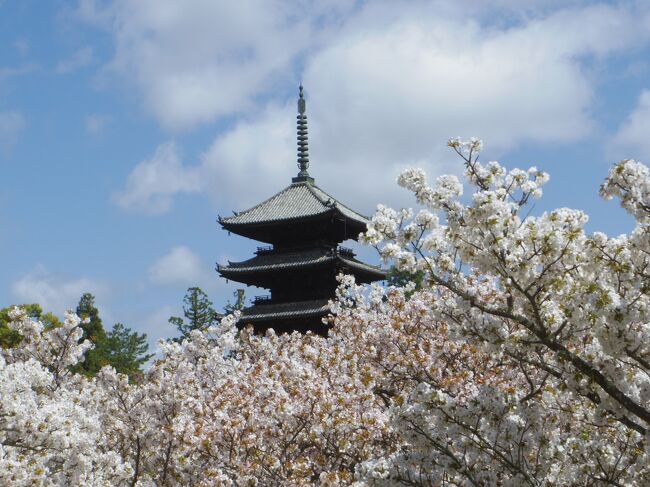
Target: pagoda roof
(297,201)
(299,309)
(269,262)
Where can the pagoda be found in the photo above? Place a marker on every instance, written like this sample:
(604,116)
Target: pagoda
(303,227)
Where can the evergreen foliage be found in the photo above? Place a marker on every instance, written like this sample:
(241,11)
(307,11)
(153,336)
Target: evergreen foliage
(401,278)
(126,350)
(120,348)
(93,330)
(198,311)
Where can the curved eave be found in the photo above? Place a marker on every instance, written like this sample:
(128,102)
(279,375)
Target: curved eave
(228,221)
(229,225)
(250,274)
(371,272)
(280,316)
(249,229)
(295,310)
(237,268)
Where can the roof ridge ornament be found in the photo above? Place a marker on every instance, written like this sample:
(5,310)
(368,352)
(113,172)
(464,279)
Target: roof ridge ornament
(303,149)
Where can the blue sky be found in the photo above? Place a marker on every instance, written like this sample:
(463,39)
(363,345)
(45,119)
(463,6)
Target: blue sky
(127,126)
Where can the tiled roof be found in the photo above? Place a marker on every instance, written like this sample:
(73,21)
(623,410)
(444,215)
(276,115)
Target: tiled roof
(296,201)
(299,258)
(298,309)
(272,261)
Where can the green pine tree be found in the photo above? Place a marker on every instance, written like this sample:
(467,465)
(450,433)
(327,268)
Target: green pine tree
(122,348)
(93,330)
(126,351)
(399,278)
(198,311)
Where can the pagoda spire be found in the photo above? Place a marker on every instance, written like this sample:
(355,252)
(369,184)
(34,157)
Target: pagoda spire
(303,149)
(304,227)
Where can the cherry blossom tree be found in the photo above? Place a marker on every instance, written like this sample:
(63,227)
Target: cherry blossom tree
(50,419)
(238,409)
(521,358)
(559,390)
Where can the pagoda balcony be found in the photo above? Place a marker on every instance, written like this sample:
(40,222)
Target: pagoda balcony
(346,252)
(266,299)
(341,250)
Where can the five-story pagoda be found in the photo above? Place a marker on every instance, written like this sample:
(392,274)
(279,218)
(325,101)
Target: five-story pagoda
(304,227)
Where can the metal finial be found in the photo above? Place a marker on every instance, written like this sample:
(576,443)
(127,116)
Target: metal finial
(303,150)
(301,102)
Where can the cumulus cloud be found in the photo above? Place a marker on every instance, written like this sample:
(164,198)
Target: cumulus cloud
(632,139)
(388,82)
(53,292)
(197,60)
(254,157)
(179,266)
(399,82)
(12,124)
(391,87)
(81,58)
(153,183)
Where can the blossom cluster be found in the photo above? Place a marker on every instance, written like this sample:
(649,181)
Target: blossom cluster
(563,317)
(50,419)
(522,357)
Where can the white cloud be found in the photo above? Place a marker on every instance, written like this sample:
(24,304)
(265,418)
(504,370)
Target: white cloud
(81,58)
(400,84)
(633,137)
(252,158)
(179,266)
(392,86)
(53,292)
(12,124)
(197,60)
(96,123)
(387,83)
(151,185)
(200,59)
